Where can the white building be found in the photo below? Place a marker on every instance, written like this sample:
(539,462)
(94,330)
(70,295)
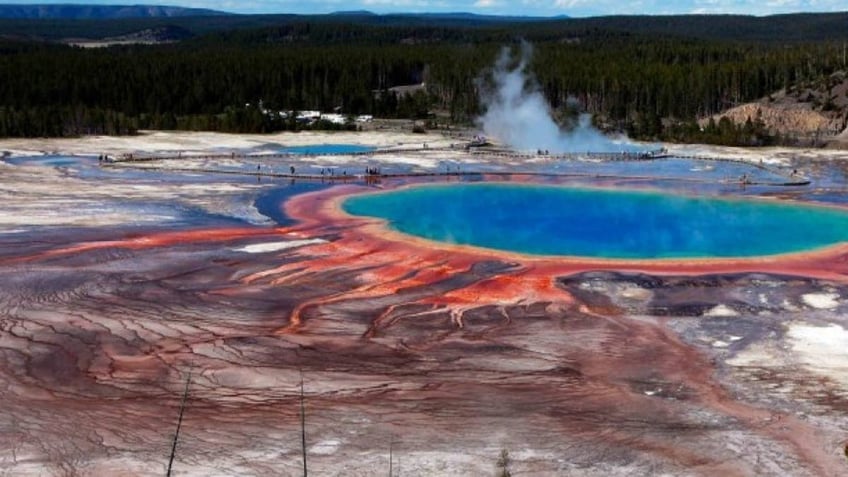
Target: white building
(334,118)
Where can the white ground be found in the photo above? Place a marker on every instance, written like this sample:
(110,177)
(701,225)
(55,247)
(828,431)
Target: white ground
(817,350)
(186,144)
(822,350)
(161,142)
(821,301)
(277,246)
(44,196)
(153,142)
(773,156)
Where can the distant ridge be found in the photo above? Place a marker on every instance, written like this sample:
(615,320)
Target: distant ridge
(467,16)
(470,15)
(94,22)
(98,12)
(354,13)
(88,12)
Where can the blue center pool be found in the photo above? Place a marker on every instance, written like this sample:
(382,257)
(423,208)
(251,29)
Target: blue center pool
(568,221)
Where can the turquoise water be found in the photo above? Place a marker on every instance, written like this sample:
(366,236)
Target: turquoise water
(550,220)
(52,160)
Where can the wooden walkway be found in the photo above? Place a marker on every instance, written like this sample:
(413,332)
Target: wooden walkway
(280,155)
(342,178)
(790,180)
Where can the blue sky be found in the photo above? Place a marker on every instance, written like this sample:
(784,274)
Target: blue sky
(577,8)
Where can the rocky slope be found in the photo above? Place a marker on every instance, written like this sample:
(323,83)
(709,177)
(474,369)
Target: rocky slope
(817,111)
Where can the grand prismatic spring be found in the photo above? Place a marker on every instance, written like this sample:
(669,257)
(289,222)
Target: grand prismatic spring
(589,316)
(602,223)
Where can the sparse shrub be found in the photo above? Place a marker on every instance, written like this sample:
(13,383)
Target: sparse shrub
(503,464)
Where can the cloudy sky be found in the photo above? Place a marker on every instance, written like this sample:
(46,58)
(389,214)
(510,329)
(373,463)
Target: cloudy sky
(577,8)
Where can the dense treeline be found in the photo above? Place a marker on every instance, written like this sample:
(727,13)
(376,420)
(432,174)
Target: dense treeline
(650,86)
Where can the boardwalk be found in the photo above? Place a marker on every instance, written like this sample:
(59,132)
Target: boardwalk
(281,155)
(788,180)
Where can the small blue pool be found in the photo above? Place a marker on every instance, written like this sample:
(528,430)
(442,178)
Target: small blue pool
(53,160)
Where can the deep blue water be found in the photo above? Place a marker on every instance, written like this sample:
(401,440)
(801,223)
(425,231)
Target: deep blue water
(270,203)
(551,220)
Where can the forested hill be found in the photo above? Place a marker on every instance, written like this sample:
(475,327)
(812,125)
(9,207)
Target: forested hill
(801,27)
(57,29)
(774,28)
(654,77)
(67,11)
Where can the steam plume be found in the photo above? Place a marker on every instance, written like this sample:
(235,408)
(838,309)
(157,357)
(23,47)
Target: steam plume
(518,114)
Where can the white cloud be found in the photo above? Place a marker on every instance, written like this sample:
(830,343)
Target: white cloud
(569,3)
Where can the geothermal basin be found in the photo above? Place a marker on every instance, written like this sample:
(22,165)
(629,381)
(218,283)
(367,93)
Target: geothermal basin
(590,318)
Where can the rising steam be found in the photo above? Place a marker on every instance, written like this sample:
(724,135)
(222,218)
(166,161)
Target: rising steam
(518,115)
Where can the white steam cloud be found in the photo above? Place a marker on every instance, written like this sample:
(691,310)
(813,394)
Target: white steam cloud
(518,115)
